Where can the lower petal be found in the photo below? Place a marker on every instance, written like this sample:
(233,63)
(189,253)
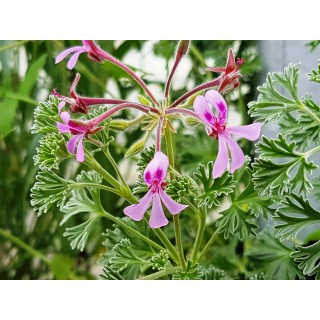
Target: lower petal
(80,151)
(250,132)
(137,211)
(63,128)
(237,156)
(74,59)
(222,158)
(173,206)
(158,218)
(66,52)
(71,146)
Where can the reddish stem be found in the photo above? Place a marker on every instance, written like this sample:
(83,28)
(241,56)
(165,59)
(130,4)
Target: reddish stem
(176,63)
(158,138)
(204,86)
(108,57)
(97,120)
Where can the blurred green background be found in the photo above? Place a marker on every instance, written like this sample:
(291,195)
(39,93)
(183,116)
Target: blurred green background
(34,247)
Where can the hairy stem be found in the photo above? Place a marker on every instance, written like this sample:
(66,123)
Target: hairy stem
(161,273)
(176,216)
(202,225)
(207,246)
(158,137)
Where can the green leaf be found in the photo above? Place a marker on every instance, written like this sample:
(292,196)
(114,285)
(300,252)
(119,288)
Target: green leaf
(78,235)
(160,261)
(291,175)
(126,257)
(235,221)
(212,188)
(46,116)
(257,276)
(271,104)
(48,190)
(308,259)
(110,274)
(302,129)
(273,258)
(294,214)
(192,272)
(314,75)
(181,186)
(213,273)
(51,152)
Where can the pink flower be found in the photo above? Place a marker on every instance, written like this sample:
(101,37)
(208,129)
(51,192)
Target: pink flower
(216,127)
(78,129)
(230,74)
(154,176)
(88,46)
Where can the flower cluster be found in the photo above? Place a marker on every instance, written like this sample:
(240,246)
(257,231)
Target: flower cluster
(210,108)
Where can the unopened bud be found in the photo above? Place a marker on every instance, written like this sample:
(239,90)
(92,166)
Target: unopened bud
(137,147)
(190,121)
(182,48)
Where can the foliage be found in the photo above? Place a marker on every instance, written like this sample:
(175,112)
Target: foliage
(192,272)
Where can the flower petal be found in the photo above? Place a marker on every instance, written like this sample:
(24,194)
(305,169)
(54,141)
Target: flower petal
(156,169)
(65,117)
(80,151)
(73,60)
(66,52)
(203,110)
(158,218)
(61,105)
(71,146)
(173,206)
(250,132)
(217,101)
(222,158)
(237,156)
(63,128)
(137,211)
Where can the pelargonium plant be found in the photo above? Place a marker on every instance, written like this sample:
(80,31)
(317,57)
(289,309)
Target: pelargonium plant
(185,225)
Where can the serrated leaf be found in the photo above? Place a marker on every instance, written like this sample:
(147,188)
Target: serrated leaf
(78,235)
(308,259)
(51,152)
(213,273)
(192,272)
(212,188)
(271,104)
(314,75)
(46,116)
(291,175)
(294,214)
(110,274)
(235,221)
(48,190)
(273,258)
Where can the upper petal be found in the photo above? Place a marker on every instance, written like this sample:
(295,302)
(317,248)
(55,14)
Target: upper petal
(63,128)
(66,52)
(156,169)
(137,211)
(73,60)
(250,132)
(218,102)
(222,158)
(203,110)
(65,117)
(158,218)
(237,156)
(173,206)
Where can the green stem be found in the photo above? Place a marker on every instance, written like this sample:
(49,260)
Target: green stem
(33,252)
(161,273)
(114,165)
(312,151)
(199,236)
(207,246)
(94,185)
(308,111)
(122,224)
(176,221)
